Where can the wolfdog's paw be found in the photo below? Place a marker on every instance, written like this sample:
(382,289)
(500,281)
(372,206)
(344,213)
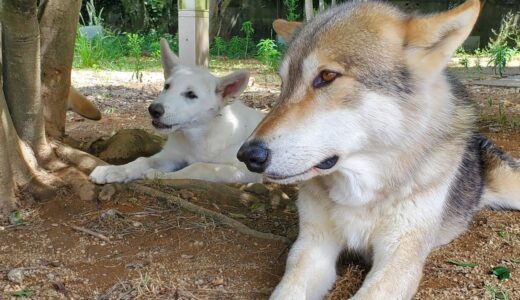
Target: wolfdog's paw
(109,174)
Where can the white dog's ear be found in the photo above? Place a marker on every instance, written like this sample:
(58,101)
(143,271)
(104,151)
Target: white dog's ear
(431,40)
(169,60)
(232,85)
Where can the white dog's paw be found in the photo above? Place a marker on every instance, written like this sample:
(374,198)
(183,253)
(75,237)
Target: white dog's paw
(109,174)
(154,174)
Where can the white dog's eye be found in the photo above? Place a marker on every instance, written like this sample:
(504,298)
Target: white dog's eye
(190,95)
(166,86)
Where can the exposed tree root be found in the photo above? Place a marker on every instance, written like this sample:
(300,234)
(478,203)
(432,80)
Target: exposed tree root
(240,227)
(83,161)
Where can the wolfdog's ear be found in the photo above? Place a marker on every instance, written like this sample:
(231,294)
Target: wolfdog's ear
(432,40)
(285,28)
(169,60)
(232,85)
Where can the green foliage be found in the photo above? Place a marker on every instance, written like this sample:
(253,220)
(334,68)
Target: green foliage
(291,6)
(248,30)
(218,47)
(463,57)
(94,19)
(88,51)
(478,58)
(499,56)
(268,53)
(134,45)
(498,49)
(23,293)
(501,272)
(236,47)
(494,293)
(17,217)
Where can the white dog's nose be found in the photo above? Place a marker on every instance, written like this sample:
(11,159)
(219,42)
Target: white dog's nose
(156,110)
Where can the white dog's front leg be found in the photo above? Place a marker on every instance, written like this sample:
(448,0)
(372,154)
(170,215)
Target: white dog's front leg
(137,169)
(311,264)
(209,172)
(397,267)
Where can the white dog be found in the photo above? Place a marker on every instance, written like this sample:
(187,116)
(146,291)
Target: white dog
(205,128)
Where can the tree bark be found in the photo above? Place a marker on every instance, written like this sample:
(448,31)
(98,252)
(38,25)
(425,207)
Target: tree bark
(28,164)
(136,11)
(7,197)
(58,32)
(332,2)
(321,5)
(309,10)
(21,56)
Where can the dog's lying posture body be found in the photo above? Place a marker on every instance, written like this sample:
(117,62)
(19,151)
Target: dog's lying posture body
(384,143)
(205,128)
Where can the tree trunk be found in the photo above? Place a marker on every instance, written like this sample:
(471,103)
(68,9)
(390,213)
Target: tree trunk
(58,25)
(28,164)
(7,197)
(21,56)
(332,2)
(309,10)
(321,5)
(136,11)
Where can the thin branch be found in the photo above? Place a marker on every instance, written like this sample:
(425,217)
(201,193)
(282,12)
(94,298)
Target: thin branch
(240,227)
(88,231)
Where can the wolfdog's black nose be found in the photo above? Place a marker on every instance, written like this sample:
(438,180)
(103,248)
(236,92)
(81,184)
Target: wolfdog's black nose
(255,155)
(156,110)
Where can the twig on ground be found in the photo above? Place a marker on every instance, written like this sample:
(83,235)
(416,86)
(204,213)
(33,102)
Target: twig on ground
(240,227)
(88,231)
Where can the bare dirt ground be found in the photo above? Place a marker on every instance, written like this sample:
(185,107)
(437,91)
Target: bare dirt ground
(152,249)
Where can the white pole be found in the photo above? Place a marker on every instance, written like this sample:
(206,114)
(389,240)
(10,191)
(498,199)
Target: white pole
(194,32)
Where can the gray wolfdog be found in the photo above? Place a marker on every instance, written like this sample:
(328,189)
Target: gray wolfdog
(384,143)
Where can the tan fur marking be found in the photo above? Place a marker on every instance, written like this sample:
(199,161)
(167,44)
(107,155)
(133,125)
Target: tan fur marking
(285,28)
(500,178)
(81,105)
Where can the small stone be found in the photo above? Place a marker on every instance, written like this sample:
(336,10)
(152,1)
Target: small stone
(217,281)
(15,275)
(186,194)
(111,213)
(106,193)
(186,256)
(275,201)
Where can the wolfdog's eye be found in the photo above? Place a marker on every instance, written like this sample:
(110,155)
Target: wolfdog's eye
(190,95)
(324,78)
(166,86)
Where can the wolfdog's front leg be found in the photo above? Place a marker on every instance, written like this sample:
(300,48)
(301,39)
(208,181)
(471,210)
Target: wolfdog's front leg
(397,266)
(311,264)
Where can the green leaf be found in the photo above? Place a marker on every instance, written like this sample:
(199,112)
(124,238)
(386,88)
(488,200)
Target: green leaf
(501,272)
(16,218)
(23,293)
(462,263)
(502,234)
(516,261)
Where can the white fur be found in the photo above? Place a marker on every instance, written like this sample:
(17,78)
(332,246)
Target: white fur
(206,132)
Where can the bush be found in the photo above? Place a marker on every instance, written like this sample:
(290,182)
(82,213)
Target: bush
(268,53)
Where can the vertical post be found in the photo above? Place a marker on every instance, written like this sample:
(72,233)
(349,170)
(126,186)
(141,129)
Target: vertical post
(194,32)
